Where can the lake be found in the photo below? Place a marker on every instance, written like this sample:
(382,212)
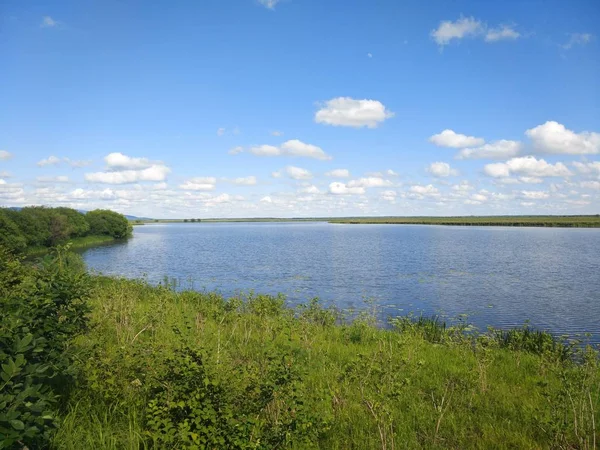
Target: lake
(498,276)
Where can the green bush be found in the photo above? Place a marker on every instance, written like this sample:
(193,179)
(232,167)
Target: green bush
(41,310)
(106,222)
(11,237)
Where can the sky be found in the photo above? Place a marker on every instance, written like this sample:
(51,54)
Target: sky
(301,108)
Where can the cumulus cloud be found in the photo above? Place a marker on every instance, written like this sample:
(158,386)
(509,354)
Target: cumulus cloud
(50,161)
(554,137)
(48,22)
(441,169)
(246,181)
(461,28)
(502,33)
(77,163)
(310,189)
(118,161)
(368,182)
(463,186)
(338,188)
(338,173)
(535,195)
(236,150)
(577,39)
(266,199)
(152,173)
(389,196)
(386,173)
(449,138)
(11,192)
(527,166)
(276,133)
(4,155)
(502,149)
(57,179)
(469,27)
(199,184)
(349,112)
(269,4)
(430,189)
(298,173)
(293,147)
(587,167)
(590,185)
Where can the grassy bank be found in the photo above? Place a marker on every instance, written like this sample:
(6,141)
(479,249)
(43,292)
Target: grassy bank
(76,243)
(503,221)
(168,370)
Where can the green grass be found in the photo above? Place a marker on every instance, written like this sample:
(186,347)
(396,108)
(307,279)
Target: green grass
(76,243)
(512,221)
(307,378)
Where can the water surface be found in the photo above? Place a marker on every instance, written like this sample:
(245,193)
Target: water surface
(499,276)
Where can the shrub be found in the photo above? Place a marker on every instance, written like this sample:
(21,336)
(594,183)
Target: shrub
(110,223)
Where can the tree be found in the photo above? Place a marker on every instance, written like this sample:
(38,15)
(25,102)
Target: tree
(76,222)
(10,236)
(110,223)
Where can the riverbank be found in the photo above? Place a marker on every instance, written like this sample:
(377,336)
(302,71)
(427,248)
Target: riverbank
(495,221)
(75,244)
(166,369)
(589,221)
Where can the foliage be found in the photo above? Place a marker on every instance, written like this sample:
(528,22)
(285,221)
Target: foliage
(106,222)
(41,310)
(162,368)
(38,227)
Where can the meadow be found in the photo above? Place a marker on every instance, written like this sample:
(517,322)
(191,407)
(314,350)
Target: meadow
(144,366)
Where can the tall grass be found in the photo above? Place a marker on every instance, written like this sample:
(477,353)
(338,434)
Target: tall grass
(167,369)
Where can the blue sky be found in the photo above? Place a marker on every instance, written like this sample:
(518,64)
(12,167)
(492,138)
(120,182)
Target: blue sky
(244,108)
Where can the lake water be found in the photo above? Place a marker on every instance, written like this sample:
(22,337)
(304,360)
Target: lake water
(499,276)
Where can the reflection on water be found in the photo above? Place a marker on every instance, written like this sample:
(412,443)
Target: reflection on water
(499,276)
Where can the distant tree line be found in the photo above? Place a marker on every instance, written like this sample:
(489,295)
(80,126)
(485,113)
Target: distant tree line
(192,220)
(40,226)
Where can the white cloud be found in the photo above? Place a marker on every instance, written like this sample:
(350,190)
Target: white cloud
(349,112)
(338,173)
(531,180)
(152,173)
(4,155)
(5,174)
(269,4)
(276,133)
(463,186)
(535,195)
(368,182)
(50,161)
(295,147)
(298,173)
(199,184)
(57,179)
(119,161)
(369,55)
(292,147)
(553,137)
(430,189)
(463,27)
(236,150)
(389,196)
(246,181)
(588,167)
(469,27)
(220,131)
(338,188)
(77,163)
(502,149)
(577,39)
(501,33)
(441,169)
(276,174)
(386,173)
(449,138)
(590,184)
(48,22)
(311,189)
(12,192)
(479,198)
(527,166)
(266,199)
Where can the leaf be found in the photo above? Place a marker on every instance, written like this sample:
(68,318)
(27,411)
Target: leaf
(17,424)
